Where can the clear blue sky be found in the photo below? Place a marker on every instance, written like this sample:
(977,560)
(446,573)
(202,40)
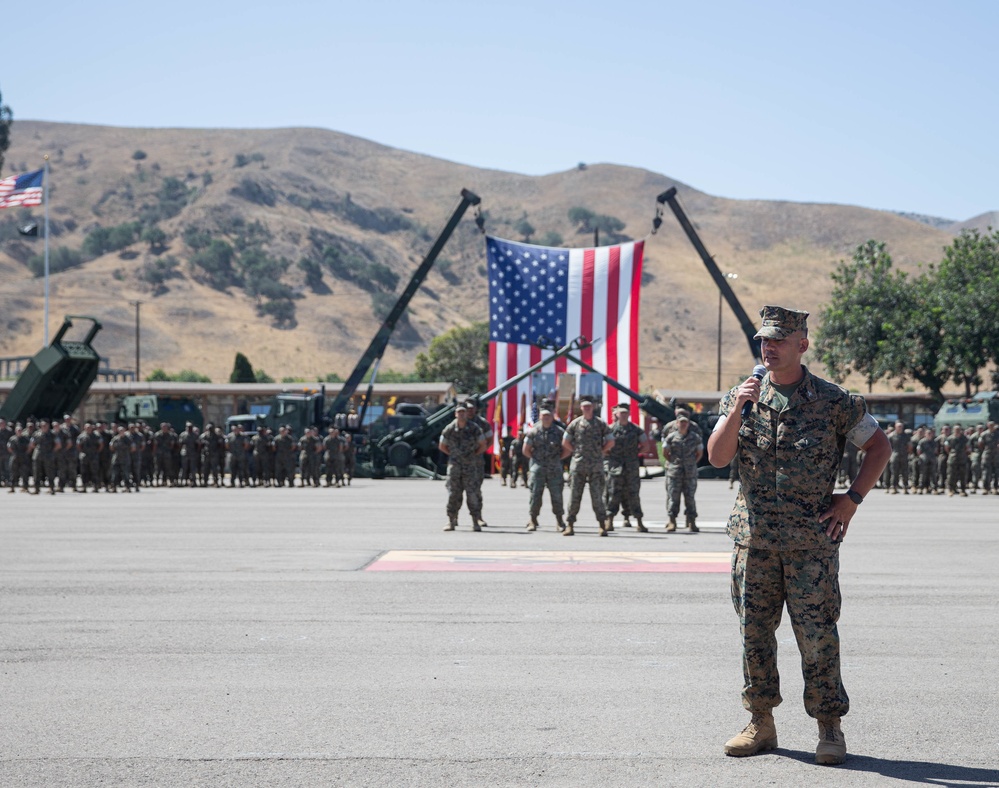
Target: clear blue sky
(882,104)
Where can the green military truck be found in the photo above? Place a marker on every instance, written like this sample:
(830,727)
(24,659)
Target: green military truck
(979,409)
(154,409)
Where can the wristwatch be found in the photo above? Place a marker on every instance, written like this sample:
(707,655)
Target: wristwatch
(855,496)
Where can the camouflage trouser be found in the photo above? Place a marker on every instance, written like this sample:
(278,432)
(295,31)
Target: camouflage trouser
(136,460)
(506,465)
(68,469)
(928,473)
(681,481)
(623,491)
(90,470)
(44,466)
(521,468)
(579,476)
(464,478)
(238,469)
(899,464)
(20,471)
(915,472)
(942,472)
(957,475)
(334,467)
(161,467)
(975,470)
(189,468)
(538,479)
(284,470)
(121,473)
(990,471)
(808,582)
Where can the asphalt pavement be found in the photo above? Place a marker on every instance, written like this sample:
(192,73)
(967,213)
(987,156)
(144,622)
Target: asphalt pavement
(246,637)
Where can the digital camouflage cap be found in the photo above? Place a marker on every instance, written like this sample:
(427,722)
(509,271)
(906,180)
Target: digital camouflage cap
(780,323)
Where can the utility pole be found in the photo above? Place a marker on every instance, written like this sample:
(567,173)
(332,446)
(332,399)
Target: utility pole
(137,304)
(718,382)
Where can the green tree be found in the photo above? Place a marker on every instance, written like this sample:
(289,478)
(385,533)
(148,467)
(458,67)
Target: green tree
(967,282)
(6,121)
(526,229)
(460,355)
(582,217)
(156,238)
(263,377)
(242,370)
(551,238)
(868,311)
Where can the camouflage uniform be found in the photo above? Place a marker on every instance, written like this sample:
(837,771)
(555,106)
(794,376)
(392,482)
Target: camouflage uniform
(587,438)
(506,461)
(89,444)
(44,446)
(957,463)
(990,459)
(20,459)
(974,459)
(546,467)
(263,457)
(190,452)
(164,441)
(681,472)
(121,461)
(68,456)
(212,452)
(926,453)
(519,464)
(235,443)
(622,467)
(308,459)
(333,446)
(941,439)
(788,462)
(899,462)
(464,469)
(138,439)
(284,460)
(6,433)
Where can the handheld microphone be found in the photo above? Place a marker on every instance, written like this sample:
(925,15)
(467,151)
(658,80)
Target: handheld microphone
(759,372)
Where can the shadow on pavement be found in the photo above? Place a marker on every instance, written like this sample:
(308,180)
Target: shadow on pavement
(945,775)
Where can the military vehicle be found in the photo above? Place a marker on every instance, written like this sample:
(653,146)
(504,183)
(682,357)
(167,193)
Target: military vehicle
(154,409)
(979,409)
(57,378)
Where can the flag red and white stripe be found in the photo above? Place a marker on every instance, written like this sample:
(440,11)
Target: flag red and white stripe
(595,292)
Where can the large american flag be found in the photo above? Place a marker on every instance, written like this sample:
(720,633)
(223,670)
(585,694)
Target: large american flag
(539,292)
(21,189)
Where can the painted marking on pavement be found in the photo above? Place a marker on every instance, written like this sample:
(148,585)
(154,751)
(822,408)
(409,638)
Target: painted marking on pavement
(547,561)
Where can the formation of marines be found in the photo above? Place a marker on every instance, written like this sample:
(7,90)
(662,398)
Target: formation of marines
(586,453)
(102,456)
(957,461)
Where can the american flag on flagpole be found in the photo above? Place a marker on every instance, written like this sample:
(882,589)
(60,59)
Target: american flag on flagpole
(23,189)
(540,292)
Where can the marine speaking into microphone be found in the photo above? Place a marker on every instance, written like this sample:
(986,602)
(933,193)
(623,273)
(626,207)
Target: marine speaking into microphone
(759,372)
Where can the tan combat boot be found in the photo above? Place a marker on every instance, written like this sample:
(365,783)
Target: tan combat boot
(832,743)
(559,522)
(671,525)
(451,525)
(610,524)
(603,527)
(568,529)
(477,524)
(692,525)
(640,527)
(533,524)
(626,523)
(759,735)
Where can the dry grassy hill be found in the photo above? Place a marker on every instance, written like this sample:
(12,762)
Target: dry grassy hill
(300,193)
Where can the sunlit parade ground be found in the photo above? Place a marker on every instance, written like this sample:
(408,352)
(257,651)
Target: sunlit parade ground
(340,637)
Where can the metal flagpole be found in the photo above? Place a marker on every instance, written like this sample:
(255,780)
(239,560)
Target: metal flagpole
(45,190)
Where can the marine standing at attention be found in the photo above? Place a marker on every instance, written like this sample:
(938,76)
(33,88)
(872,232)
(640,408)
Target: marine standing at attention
(588,438)
(463,442)
(788,524)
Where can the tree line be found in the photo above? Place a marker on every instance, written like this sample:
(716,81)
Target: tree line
(937,327)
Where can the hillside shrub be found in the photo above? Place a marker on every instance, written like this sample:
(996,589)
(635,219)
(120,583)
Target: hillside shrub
(60,259)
